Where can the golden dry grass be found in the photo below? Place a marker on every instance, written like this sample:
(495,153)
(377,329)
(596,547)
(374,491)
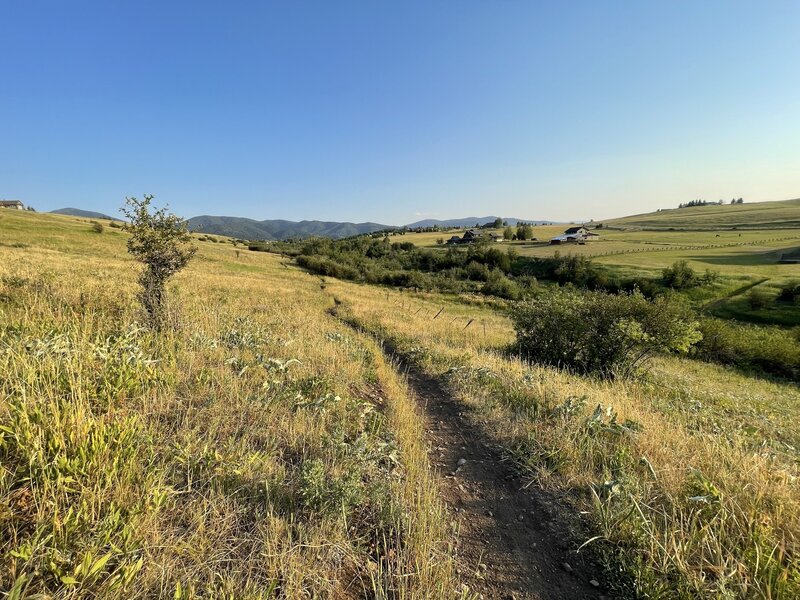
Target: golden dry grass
(267,449)
(691,476)
(264,449)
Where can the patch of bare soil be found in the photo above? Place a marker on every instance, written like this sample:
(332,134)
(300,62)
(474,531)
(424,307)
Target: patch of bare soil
(514,541)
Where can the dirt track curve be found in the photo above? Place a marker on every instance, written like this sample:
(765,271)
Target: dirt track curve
(513,541)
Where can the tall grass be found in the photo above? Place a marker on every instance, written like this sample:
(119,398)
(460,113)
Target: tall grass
(689,492)
(261,450)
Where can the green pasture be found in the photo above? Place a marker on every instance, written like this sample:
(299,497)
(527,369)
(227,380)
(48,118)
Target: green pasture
(754,215)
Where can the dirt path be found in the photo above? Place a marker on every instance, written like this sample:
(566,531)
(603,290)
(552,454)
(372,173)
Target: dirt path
(512,541)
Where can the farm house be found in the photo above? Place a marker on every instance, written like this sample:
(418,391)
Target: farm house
(13,204)
(575,235)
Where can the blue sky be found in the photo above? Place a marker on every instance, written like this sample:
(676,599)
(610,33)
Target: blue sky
(396,111)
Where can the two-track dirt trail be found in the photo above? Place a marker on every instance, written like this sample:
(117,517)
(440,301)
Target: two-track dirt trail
(514,542)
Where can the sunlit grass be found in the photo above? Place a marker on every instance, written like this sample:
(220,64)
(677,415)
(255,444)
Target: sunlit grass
(690,473)
(262,449)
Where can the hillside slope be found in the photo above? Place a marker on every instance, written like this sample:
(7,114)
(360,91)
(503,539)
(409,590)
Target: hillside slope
(754,215)
(77,212)
(261,450)
(278,229)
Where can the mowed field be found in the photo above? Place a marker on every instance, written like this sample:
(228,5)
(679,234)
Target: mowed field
(742,243)
(752,215)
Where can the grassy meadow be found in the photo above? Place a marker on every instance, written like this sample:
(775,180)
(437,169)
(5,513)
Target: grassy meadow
(265,448)
(261,450)
(688,476)
(741,243)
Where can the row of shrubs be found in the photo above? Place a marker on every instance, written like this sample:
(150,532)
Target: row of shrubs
(479,268)
(614,335)
(768,349)
(474,277)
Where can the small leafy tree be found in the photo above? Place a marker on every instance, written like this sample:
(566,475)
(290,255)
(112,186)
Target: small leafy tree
(524,231)
(680,276)
(160,241)
(508,233)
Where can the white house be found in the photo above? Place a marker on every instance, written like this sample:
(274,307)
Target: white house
(575,235)
(13,204)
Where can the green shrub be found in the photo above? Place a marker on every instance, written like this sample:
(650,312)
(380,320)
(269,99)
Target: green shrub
(790,292)
(97,227)
(721,342)
(477,271)
(499,285)
(328,267)
(680,276)
(577,270)
(710,277)
(758,298)
(599,333)
(768,349)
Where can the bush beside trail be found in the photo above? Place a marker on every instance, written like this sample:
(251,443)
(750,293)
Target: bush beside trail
(599,333)
(769,349)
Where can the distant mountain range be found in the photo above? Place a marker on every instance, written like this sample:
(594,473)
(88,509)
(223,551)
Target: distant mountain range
(77,212)
(471,222)
(277,229)
(250,229)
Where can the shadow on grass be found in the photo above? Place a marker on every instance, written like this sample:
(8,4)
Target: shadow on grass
(770,257)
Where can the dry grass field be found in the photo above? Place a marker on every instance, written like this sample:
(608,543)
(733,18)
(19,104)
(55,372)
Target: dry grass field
(689,477)
(266,448)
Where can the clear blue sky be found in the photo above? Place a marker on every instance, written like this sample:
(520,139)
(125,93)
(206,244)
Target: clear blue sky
(396,111)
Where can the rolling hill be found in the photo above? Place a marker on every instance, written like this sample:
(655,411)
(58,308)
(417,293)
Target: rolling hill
(755,215)
(470,222)
(250,229)
(277,229)
(77,212)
